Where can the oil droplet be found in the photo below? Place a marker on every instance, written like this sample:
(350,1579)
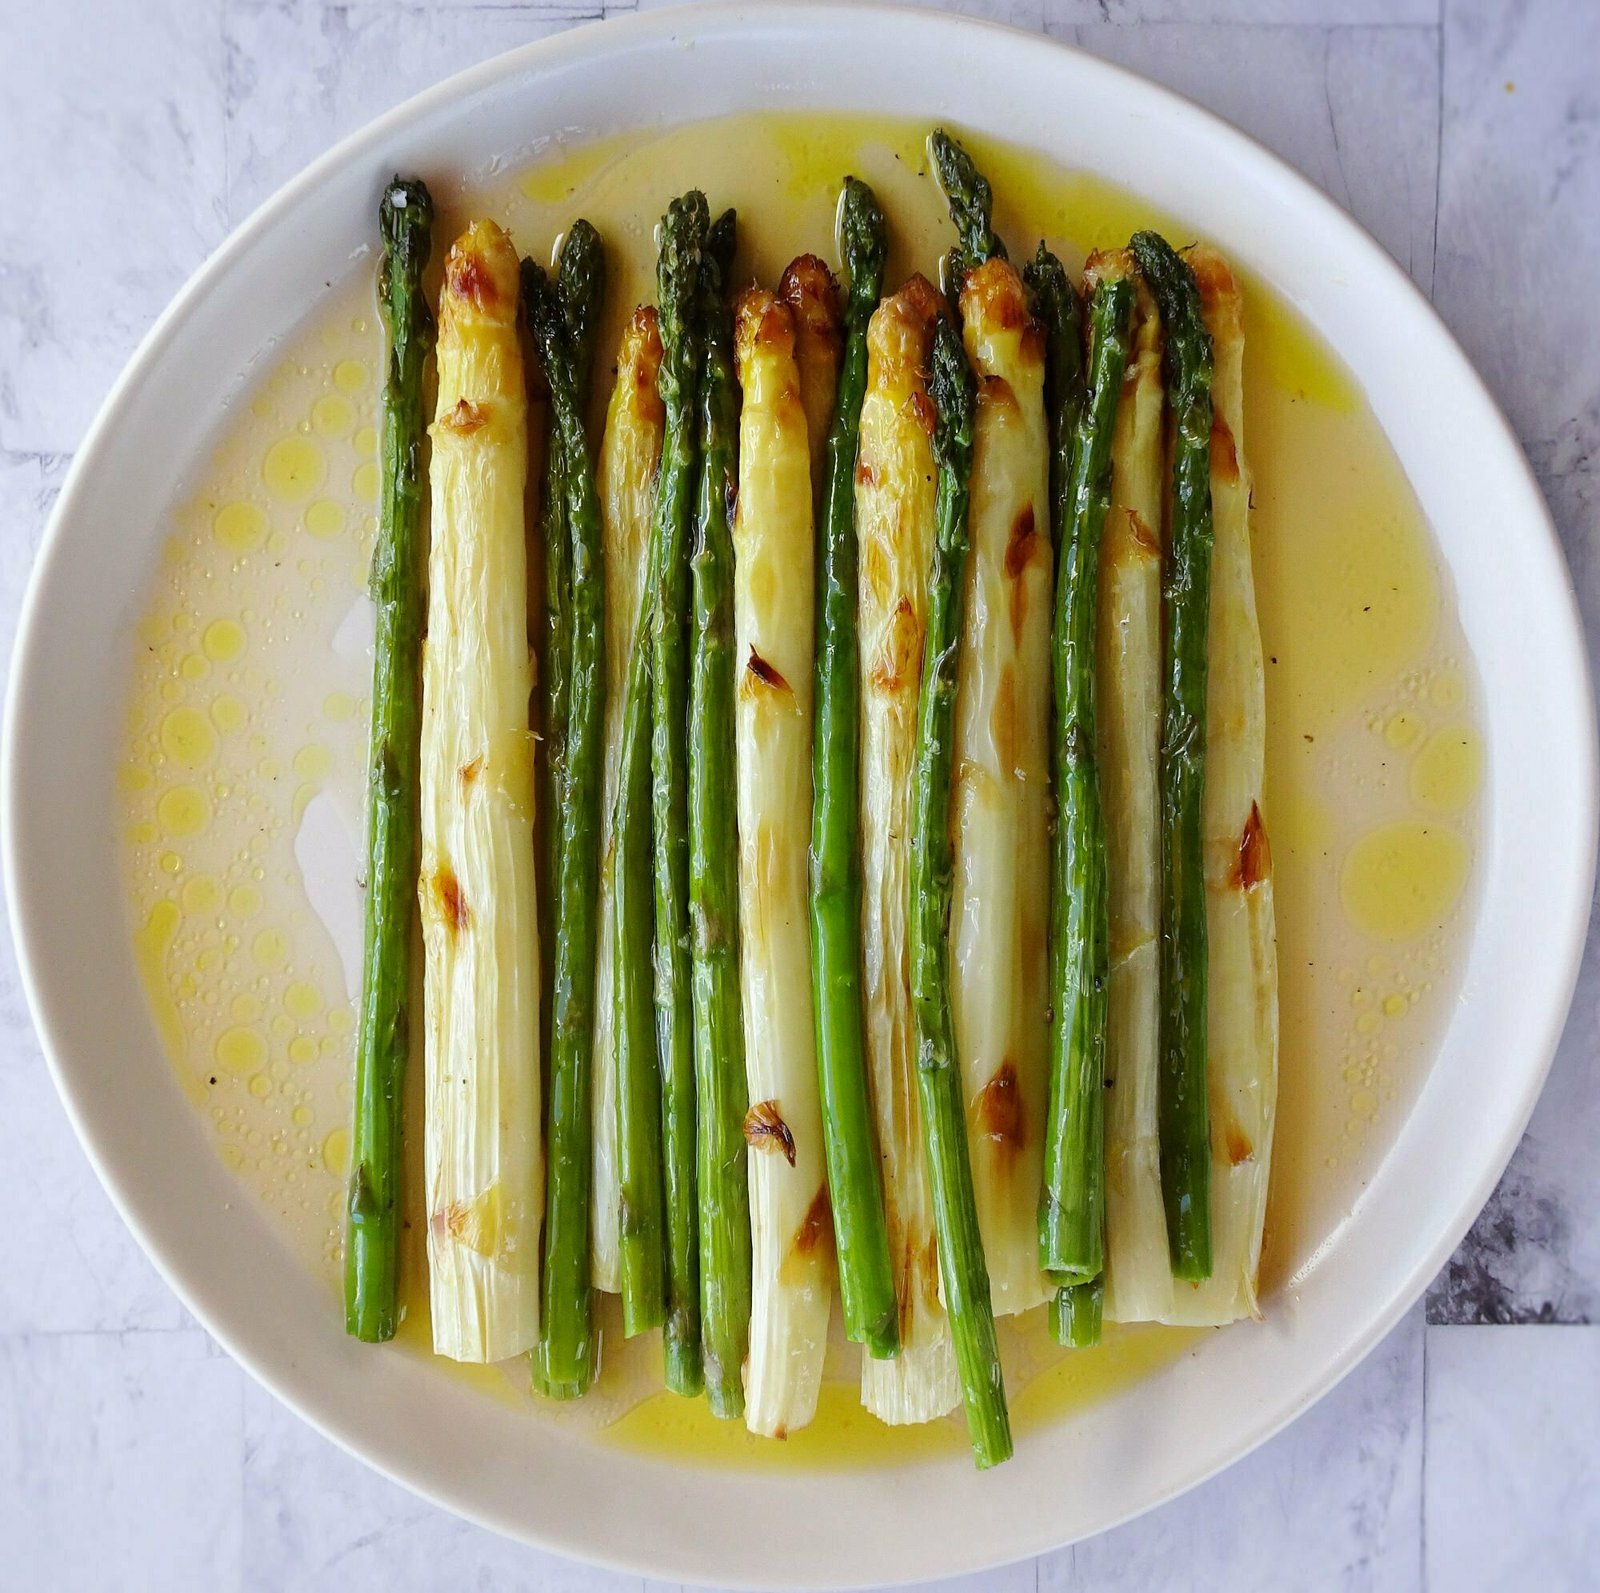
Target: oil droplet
(301,1116)
(1449,690)
(227,714)
(171,691)
(340,1020)
(1403,728)
(194,667)
(332,415)
(232,1157)
(244,901)
(1367,1023)
(302,1000)
(142,834)
(188,739)
(338,705)
(365,482)
(244,1008)
(1364,1103)
(135,777)
(261,1087)
(1403,879)
(183,810)
(270,948)
(241,1051)
(209,960)
(350,375)
(325,519)
(302,1049)
(294,468)
(313,762)
(1447,770)
(223,641)
(169,862)
(336,1152)
(199,895)
(240,527)
(1394,1005)
(151,944)
(366,441)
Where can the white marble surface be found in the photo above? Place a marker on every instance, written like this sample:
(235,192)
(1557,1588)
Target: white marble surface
(133,1454)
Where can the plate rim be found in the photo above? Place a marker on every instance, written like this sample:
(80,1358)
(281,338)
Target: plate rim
(530,60)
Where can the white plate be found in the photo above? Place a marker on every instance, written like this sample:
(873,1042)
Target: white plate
(492,1462)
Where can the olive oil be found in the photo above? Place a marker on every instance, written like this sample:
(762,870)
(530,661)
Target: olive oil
(244,770)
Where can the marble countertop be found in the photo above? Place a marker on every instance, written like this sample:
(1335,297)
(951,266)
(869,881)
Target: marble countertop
(134,1454)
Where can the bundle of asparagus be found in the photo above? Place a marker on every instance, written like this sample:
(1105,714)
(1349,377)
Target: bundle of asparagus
(982,1062)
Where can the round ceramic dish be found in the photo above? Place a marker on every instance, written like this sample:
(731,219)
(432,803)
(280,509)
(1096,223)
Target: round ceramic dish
(492,1462)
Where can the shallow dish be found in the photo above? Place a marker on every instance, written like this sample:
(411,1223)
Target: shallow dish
(484,1458)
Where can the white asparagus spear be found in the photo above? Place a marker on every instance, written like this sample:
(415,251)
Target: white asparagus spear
(629,456)
(812,295)
(999,800)
(1128,658)
(483,1161)
(895,482)
(791,1227)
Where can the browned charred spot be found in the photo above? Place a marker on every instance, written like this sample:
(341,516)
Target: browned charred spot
(761,320)
(996,392)
(1236,1144)
(1224,456)
(809,290)
(900,660)
(765,1130)
(930,1269)
(642,359)
(1254,860)
(866,476)
(923,410)
(1211,275)
(780,1432)
(817,1226)
(464,419)
(998,1110)
(993,294)
(923,298)
(1003,720)
(471,771)
(467,277)
(1140,530)
(1106,265)
(1020,544)
(764,672)
(452,904)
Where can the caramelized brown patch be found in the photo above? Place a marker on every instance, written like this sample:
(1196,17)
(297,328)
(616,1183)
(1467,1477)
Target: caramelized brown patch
(993,293)
(764,672)
(998,1110)
(923,410)
(467,277)
(471,771)
(1107,265)
(761,321)
(765,1130)
(1143,536)
(923,298)
(1224,456)
(452,904)
(1212,276)
(899,663)
(1003,719)
(866,476)
(464,419)
(1235,1144)
(816,1229)
(1254,860)
(996,392)
(1020,545)
(811,293)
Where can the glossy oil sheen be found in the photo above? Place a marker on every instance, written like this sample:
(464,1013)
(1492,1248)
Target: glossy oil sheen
(247,712)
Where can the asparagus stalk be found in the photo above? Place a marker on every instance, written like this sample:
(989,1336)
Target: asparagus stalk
(1184,1110)
(1138,1276)
(962,1270)
(895,496)
(719,1061)
(372,1235)
(683,242)
(1242,994)
(971,204)
(1072,1201)
(791,1230)
(812,295)
(484,1170)
(565,1363)
(627,1083)
(866,1282)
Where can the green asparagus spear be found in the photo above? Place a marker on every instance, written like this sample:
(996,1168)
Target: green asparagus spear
(866,1281)
(1076,1313)
(1072,1199)
(372,1241)
(1057,309)
(683,243)
(1183,1109)
(714,861)
(971,203)
(565,1360)
(962,1270)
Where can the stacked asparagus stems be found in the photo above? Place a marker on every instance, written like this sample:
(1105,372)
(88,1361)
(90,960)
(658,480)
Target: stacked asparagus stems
(898,906)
